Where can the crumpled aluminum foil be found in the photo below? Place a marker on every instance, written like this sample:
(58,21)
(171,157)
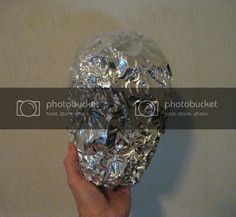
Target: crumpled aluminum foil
(115,155)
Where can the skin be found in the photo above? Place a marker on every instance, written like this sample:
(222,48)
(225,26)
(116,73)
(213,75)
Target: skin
(91,200)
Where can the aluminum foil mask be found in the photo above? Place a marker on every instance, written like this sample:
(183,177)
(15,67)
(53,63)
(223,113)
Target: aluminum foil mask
(113,72)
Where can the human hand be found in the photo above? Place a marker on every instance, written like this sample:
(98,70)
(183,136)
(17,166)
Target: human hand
(91,200)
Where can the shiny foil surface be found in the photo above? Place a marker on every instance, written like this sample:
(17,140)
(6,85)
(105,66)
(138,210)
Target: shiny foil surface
(116,154)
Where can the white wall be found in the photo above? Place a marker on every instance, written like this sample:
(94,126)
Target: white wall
(192,174)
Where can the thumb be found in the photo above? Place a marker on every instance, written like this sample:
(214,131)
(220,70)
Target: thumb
(70,163)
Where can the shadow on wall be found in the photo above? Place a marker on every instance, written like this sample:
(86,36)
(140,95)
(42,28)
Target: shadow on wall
(163,175)
(165,172)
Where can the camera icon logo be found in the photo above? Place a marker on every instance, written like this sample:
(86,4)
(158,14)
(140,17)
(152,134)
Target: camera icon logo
(146,108)
(27,108)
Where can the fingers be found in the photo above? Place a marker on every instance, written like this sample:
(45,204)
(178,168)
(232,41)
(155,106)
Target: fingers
(120,189)
(87,195)
(75,180)
(123,189)
(120,192)
(120,199)
(70,163)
